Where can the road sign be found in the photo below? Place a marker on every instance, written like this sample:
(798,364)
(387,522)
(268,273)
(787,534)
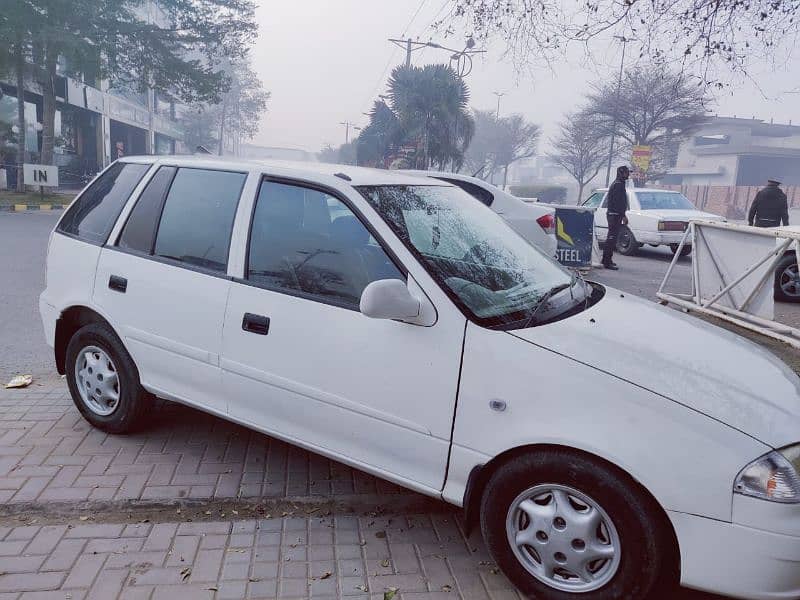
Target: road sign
(574,233)
(41,175)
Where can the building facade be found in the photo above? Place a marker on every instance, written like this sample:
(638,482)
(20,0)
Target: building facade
(95,122)
(728,151)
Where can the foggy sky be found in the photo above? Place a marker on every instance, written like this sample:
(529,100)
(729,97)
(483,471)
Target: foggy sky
(325,61)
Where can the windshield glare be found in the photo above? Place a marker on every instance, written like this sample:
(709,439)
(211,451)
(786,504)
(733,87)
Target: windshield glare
(664,201)
(484,265)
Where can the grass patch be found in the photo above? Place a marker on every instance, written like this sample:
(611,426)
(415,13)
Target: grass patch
(8,198)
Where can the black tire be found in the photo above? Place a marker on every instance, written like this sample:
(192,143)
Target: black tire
(686,251)
(648,564)
(626,242)
(134,402)
(787,286)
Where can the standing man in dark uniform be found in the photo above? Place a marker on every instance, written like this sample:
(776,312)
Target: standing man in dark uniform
(617,205)
(769,208)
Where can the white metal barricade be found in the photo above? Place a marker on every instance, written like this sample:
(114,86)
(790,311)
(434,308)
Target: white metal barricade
(733,270)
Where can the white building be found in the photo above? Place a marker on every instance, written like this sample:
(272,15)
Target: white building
(728,151)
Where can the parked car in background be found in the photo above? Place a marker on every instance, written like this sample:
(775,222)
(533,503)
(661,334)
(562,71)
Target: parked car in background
(536,223)
(389,322)
(787,275)
(655,217)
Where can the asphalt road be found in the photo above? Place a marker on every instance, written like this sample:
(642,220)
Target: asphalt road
(23,243)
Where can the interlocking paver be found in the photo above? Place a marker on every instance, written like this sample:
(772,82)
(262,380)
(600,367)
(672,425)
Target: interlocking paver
(48,452)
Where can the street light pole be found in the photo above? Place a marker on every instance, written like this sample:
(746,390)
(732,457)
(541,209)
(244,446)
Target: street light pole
(499,95)
(616,107)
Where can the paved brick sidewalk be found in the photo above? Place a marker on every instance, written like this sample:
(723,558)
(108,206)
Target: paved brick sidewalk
(346,557)
(48,452)
(421,556)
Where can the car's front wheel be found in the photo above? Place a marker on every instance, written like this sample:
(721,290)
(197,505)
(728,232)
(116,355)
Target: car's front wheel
(104,381)
(787,280)
(563,526)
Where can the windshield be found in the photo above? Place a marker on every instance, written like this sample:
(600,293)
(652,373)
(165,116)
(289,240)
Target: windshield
(487,268)
(664,201)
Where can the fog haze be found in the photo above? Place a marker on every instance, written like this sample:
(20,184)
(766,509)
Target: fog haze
(325,62)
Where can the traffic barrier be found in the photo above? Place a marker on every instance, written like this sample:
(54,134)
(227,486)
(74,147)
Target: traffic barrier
(733,270)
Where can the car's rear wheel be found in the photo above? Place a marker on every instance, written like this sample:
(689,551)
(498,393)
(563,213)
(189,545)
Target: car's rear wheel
(103,380)
(563,526)
(685,251)
(626,242)
(787,280)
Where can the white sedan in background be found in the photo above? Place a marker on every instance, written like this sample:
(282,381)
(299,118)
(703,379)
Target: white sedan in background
(536,223)
(655,217)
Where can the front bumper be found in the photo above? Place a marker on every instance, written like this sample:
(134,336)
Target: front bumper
(736,560)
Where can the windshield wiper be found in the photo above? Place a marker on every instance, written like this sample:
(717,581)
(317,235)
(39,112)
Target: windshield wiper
(545,299)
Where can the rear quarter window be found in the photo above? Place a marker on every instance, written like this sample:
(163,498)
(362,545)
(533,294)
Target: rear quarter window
(92,216)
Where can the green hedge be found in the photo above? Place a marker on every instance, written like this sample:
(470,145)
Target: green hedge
(553,194)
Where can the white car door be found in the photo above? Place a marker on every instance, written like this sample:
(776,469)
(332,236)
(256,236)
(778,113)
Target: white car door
(302,363)
(163,281)
(598,201)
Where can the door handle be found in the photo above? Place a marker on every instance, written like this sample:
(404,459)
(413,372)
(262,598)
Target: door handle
(118,284)
(255,323)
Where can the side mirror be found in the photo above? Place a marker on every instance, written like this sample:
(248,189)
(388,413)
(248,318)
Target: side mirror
(389,299)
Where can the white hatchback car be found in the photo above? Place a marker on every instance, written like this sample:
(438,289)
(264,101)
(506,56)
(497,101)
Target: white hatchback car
(655,217)
(386,322)
(535,222)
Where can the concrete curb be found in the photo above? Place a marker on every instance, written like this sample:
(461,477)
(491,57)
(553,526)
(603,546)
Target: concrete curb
(195,509)
(31,207)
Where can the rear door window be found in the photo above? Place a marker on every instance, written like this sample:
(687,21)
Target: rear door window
(92,216)
(140,229)
(197,218)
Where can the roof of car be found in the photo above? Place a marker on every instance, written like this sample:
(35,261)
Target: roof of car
(350,174)
(638,189)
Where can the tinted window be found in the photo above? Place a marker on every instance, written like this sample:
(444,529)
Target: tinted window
(197,218)
(92,216)
(141,225)
(306,241)
(472,189)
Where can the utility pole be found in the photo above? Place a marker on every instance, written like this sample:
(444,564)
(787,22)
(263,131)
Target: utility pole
(347,126)
(616,108)
(499,95)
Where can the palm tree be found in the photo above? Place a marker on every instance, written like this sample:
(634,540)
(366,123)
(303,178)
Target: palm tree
(377,138)
(430,104)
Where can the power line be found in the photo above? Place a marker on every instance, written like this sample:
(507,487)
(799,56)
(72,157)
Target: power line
(392,55)
(414,16)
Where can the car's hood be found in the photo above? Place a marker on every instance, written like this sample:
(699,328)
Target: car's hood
(679,215)
(690,361)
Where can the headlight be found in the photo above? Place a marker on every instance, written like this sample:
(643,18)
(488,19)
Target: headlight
(774,476)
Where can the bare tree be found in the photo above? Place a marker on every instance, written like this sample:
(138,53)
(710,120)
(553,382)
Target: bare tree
(498,142)
(579,148)
(653,107)
(480,155)
(517,139)
(727,32)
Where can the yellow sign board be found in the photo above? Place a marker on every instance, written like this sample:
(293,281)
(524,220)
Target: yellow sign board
(641,157)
